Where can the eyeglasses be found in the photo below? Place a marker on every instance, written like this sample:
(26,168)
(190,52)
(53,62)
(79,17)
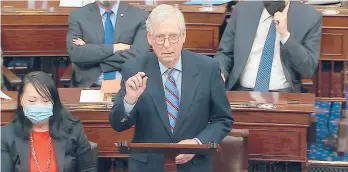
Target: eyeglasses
(172,38)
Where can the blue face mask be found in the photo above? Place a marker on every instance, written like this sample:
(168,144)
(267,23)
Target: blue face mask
(38,114)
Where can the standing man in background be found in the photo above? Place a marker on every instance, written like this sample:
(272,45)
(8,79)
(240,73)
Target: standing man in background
(270,46)
(101,37)
(171,96)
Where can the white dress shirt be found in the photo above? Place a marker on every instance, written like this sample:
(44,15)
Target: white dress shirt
(249,74)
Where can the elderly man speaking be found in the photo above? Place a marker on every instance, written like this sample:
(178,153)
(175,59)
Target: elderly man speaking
(171,96)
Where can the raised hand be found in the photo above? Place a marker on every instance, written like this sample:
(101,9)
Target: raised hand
(135,86)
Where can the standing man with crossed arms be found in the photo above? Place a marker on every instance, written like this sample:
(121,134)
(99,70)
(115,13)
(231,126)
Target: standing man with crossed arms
(101,37)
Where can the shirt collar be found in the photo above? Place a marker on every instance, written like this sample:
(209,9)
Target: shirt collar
(178,66)
(265,15)
(113,9)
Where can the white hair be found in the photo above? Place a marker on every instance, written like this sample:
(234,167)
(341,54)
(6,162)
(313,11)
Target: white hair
(161,13)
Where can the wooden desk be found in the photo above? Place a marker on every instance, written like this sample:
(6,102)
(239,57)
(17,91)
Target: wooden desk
(42,31)
(277,135)
(330,80)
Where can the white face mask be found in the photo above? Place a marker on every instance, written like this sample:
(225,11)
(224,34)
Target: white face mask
(106,3)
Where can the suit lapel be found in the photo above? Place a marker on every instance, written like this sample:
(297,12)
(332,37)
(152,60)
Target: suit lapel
(156,90)
(120,20)
(23,149)
(188,87)
(249,29)
(97,22)
(59,151)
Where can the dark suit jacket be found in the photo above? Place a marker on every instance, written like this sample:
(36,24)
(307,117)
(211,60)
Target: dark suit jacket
(72,151)
(203,99)
(96,57)
(299,55)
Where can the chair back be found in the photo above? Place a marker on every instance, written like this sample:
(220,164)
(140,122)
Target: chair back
(232,155)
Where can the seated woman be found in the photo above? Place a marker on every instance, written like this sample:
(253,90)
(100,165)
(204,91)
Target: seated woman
(44,137)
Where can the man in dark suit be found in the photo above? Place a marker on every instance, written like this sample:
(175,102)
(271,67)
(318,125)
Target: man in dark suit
(171,96)
(270,46)
(101,37)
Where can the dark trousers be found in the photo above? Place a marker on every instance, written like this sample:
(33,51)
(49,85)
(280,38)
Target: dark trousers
(104,164)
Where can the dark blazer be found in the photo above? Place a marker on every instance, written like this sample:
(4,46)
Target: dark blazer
(299,55)
(72,151)
(96,57)
(203,100)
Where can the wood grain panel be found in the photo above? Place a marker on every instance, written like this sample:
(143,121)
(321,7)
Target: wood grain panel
(35,19)
(333,44)
(335,21)
(105,136)
(34,40)
(202,39)
(276,143)
(272,117)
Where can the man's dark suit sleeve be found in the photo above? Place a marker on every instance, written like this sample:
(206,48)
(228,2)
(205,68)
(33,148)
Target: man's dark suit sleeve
(304,56)
(6,160)
(118,118)
(139,46)
(220,114)
(225,55)
(88,54)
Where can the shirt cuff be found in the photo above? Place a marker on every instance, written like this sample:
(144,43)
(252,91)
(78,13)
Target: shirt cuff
(197,140)
(283,41)
(128,107)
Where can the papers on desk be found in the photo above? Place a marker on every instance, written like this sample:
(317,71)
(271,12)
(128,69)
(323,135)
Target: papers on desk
(108,90)
(322,2)
(75,3)
(90,96)
(212,2)
(330,12)
(4,96)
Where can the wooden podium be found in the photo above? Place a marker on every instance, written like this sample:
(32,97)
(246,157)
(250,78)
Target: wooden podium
(169,150)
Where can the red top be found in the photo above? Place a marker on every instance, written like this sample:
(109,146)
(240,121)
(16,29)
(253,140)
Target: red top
(41,142)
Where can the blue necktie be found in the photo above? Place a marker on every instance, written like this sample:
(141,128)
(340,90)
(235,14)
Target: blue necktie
(265,67)
(109,39)
(171,93)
